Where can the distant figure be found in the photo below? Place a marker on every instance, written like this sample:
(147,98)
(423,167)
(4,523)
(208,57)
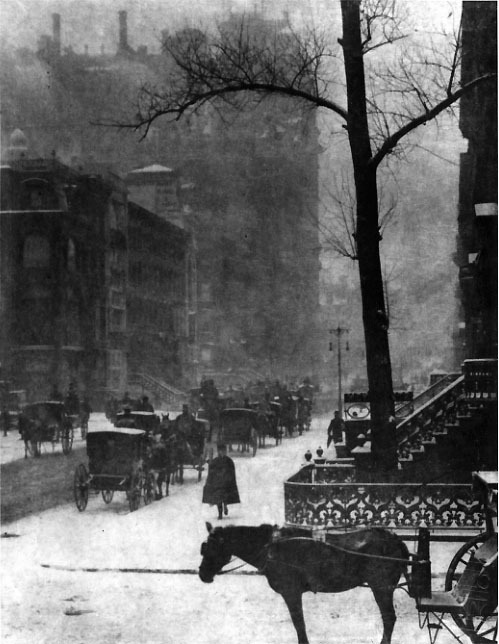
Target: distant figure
(335,429)
(5,420)
(221,486)
(145,405)
(85,411)
(55,394)
(72,402)
(185,423)
(126,400)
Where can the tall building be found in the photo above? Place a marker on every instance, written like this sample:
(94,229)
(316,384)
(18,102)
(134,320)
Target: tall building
(477,220)
(248,193)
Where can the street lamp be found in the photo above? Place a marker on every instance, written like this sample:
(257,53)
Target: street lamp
(338,332)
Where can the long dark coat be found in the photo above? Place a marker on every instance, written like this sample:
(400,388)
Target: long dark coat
(221,483)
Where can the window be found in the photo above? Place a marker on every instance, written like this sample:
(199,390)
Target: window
(36,252)
(117,320)
(116,368)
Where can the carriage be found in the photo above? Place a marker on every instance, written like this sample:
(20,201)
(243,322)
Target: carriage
(45,422)
(191,451)
(240,425)
(470,593)
(117,462)
(298,559)
(147,421)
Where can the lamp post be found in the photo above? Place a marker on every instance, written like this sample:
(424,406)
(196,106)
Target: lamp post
(338,332)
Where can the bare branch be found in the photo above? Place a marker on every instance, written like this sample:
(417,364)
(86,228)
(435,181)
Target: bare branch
(428,115)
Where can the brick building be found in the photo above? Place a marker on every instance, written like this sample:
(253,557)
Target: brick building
(63,274)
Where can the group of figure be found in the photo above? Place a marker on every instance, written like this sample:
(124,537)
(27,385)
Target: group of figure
(114,405)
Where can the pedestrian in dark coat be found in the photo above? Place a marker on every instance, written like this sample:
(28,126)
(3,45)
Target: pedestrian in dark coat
(221,487)
(335,429)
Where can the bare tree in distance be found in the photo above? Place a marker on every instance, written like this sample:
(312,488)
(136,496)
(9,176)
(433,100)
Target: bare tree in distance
(378,99)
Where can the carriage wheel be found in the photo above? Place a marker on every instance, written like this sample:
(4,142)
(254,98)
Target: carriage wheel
(478,628)
(107,495)
(149,485)
(254,440)
(67,441)
(80,487)
(135,491)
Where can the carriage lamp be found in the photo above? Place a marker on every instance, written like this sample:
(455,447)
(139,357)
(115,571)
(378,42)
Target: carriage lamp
(319,452)
(308,456)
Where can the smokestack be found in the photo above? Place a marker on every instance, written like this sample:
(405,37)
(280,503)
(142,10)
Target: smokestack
(123,46)
(56,33)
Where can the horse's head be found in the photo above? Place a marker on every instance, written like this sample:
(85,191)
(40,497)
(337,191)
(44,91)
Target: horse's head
(215,554)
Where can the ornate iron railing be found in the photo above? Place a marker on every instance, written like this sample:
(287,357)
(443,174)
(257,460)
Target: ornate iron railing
(398,506)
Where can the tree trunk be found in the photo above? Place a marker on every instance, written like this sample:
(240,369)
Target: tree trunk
(379,374)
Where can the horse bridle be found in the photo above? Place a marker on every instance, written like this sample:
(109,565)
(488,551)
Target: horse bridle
(204,545)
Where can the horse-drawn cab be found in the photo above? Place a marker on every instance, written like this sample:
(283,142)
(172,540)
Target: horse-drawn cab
(45,421)
(240,425)
(470,594)
(147,421)
(117,461)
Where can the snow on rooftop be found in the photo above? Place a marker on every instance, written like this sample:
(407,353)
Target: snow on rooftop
(152,168)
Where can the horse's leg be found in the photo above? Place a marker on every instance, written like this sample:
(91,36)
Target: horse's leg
(384,599)
(294,604)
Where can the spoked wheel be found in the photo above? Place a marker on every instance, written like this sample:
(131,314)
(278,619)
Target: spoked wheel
(107,495)
(135,491)
(80,487)
(149,485)
(67,440)
(479,628)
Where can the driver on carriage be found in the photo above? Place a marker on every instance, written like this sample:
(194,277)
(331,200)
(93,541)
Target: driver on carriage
(185,428)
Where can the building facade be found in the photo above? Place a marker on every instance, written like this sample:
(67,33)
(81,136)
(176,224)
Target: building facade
(63,276)
(248,193)
(161,313)
(477,220)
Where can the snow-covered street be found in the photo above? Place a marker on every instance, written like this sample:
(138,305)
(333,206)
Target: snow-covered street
(47,597)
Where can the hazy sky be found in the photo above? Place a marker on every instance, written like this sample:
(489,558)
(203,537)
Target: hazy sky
(95,22)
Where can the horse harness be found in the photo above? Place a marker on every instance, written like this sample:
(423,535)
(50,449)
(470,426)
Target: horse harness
(277,538)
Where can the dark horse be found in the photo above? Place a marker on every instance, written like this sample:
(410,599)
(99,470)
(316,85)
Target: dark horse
(294,563)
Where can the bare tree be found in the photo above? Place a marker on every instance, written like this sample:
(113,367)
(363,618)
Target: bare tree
(379,100)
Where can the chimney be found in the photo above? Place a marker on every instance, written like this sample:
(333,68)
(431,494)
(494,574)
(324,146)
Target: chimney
(56,33)
(123,46)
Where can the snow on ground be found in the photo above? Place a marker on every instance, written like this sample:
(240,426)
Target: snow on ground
(132,608)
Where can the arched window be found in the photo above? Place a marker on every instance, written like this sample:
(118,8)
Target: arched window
(36,252)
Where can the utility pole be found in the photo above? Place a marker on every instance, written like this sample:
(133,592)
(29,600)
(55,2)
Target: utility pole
(338,332)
